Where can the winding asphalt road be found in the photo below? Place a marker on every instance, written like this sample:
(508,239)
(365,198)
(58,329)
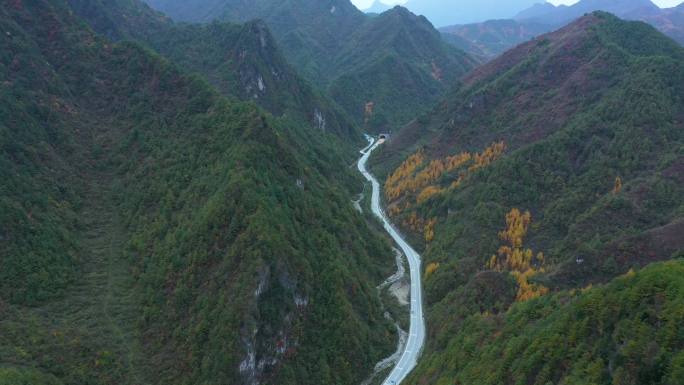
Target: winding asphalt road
(416,337)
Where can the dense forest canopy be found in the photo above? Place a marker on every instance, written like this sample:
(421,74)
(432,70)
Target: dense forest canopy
(381,70)
(548,170)
(154,231)
(180,201)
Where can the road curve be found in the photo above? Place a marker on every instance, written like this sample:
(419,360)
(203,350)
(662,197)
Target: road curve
(416,338)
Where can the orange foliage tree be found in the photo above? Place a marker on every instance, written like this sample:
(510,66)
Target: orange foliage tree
(414,179)
(431,268)
(414,222)
(618,186)
(427,193)
(514,258)
(418,224)
(395,184)
(429,230)
(410,178)
(486,157)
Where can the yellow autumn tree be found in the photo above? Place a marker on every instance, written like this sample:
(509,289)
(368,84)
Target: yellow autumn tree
(527,290)
(618,185)
(516,227)
(393,210)
(428,193)
(456,184)
(522,263)
(489,155)
(429,230)
(412,177)
(415,181)
(456,161)
(397,182)
(431,268)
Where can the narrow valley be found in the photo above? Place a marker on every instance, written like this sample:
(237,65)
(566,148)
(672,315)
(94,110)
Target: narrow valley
(183,200)
(416,335)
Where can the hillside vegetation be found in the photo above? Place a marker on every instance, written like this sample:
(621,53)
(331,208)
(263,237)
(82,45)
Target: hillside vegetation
(155,232)
(176,204)
(627,332)
(393,68)
(241,61)
(556,166)
(381,70)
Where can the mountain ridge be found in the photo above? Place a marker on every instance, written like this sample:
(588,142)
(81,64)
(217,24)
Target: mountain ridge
(397,64)
(242,61)
(562,14)
(320,41)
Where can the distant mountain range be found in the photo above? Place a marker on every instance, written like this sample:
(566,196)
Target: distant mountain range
(548,13)
(490,38)
(493,37)
(379,69)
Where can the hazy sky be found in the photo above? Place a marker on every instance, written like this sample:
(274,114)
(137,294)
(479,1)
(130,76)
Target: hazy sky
(367,3)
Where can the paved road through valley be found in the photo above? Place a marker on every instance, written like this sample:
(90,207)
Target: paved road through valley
(416,337)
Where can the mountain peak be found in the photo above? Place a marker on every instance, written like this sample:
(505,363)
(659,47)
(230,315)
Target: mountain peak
(536,10)
(401,11)
(566,61)
(405,16)
(377,7)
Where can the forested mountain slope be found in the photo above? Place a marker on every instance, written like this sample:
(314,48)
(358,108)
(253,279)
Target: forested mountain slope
(556,166)
(398,64)
(310,31)
(121,19)
(242,61)
(626,332)
(382,70)
(154,232)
